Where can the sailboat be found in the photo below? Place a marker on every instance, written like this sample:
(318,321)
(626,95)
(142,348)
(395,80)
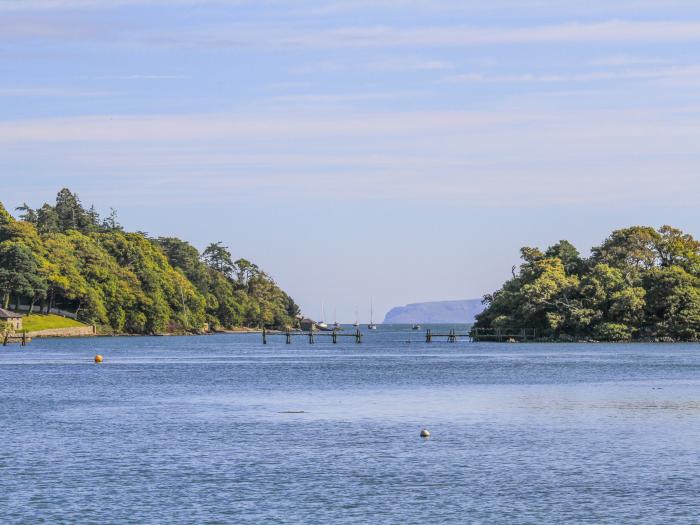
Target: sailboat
(371,325)
(356,324)
(322,324)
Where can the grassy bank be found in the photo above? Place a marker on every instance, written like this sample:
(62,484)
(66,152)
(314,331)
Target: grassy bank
(36,322)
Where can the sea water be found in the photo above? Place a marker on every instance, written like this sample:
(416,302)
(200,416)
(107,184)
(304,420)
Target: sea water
(221,429)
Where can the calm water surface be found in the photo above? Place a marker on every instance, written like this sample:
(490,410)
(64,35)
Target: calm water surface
(224,430)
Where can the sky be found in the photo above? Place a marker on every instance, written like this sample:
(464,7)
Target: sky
(399,150)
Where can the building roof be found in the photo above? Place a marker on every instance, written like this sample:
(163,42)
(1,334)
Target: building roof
(6,314)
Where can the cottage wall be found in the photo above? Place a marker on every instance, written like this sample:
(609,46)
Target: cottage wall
(14,324)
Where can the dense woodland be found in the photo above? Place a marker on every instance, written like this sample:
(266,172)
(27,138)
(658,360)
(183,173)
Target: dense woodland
(639,284)
(65,256)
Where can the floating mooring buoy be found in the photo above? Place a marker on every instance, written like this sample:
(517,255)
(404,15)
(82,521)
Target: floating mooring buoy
(98,358)
(424,433)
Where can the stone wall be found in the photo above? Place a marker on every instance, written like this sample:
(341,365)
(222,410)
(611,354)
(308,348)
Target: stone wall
(78,331)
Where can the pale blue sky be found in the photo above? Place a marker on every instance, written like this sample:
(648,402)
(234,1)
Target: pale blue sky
(400,149)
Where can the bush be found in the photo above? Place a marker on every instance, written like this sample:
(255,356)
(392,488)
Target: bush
(613,332)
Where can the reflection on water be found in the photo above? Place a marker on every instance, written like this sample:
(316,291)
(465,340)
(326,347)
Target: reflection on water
(223,429)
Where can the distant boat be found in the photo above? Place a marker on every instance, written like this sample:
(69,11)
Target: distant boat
(416,326)
(371,325)
(322,324)
(357,319)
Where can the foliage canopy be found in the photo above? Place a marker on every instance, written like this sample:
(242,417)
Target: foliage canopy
(639,284)
(64,257)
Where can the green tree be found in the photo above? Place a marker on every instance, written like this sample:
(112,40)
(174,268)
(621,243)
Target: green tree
(70,212)
(28,214)
(19,273)
(217,256)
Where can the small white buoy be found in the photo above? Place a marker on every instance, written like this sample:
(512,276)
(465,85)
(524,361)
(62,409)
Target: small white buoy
(424,433)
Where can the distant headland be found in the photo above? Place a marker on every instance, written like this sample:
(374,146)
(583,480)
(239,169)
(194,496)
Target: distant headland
(436,312)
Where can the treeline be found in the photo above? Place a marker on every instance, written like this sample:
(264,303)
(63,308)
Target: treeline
(639,284)
(67,257)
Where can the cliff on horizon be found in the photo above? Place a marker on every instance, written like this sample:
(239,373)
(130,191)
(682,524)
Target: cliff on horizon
(436,312)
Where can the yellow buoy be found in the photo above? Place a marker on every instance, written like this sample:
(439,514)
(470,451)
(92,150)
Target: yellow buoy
(424,433)
(98,358)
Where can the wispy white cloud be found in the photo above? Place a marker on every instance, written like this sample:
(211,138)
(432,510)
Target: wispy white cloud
(611,31)
(505,156)
(52,92)
(290,36)
(336,7)
(75,5)
(142,77)
(386,65)
(316,100)
(440,36)
(676,75)
(621,59)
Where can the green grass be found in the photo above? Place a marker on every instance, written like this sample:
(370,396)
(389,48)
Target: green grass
(36,322)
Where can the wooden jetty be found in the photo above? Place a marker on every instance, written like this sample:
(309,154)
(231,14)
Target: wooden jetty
(9,338)
(451,336)
(312,336)
(500,336)
(478,335)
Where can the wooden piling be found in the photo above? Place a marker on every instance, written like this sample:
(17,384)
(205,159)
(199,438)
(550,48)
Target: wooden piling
(264,335)
(24,338)
(311,337)
(289,337)
(4,341)
(358,336)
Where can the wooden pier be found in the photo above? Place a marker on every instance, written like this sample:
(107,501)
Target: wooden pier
(478,335)
(501,336)
(22,339)
(451,336)
(312,336)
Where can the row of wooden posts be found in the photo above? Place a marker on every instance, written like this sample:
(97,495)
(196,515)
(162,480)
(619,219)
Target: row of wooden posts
(452,336)
(334,335)
(22,340)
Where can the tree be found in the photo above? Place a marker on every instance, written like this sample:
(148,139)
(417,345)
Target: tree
(126,282)
(19,273)
(70,212)
(568,255)
(674,303)
(629,249)
(244,271)
(111,222)
(47,219)
(217,256)
(28,214)
(676,248)
(640,283)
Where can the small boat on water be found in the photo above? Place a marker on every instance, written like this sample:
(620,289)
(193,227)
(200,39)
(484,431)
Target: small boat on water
(416,326)
(322,324)
(371,325)
(356,324)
